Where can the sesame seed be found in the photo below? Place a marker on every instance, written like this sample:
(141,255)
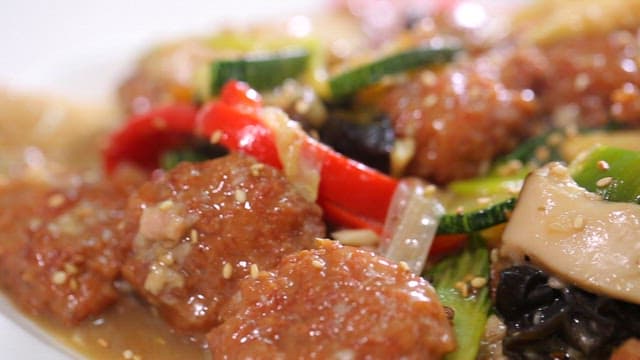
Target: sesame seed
(194,235)
(510,168)
(559,171)
(317,263)
(254,271)
(554,139)
(256,169)
(59,277)
(73,284)
(556,226)
(602,165)
(102,342)
(404,266)
(70,268)
(478,282)
(462,288)
(605,181)
(578,222)
(430,190)
(302,107)
(240,195)
(430,100)
(428,78)
(514,188)
(515,165)
(227,271)
(127,354)
(571,131)
(167,258)
(543,153)
(460,210)
(581,82)
(215,137)
(56,200)
(314,134)
(468,277)
(165,205)
(495,255)
(137,357)
(555,283)
(34,224)
(483,200)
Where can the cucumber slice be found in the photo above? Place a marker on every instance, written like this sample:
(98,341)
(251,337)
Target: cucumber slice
(349,81)
(476,220)
(458,280)
(261,71)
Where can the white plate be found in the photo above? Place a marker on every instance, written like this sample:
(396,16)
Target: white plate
(81,49)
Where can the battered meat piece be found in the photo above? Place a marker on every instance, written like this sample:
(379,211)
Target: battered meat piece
(580,80)
(202,227)
(61,247)
(461,118)
(333,302)
(465,115)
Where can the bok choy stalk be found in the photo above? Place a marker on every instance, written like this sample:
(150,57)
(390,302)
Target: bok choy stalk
(461,282)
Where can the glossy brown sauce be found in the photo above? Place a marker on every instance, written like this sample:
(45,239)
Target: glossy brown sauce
(68,136)
(127,330)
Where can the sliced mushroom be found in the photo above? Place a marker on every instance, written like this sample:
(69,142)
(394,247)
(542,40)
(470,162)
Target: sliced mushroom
(575,235)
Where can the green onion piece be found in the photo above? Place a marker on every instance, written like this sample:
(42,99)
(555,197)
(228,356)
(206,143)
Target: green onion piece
(611,172)
(451,276)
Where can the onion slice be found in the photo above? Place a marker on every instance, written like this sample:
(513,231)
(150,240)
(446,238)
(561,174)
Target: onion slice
(300,164)
(411,224)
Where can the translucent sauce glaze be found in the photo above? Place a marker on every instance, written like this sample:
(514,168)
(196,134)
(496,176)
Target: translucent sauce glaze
(35,129)
(57,136)
(128,330)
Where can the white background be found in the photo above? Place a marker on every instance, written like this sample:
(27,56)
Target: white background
(68,45)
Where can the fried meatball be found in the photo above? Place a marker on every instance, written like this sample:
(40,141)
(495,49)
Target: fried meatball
(465,115)
(333,302)
(62,247)
(202,227)
(576,79)
(461,118)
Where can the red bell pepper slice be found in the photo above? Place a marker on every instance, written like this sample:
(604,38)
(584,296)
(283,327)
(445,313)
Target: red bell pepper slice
(145,137)
(351,193)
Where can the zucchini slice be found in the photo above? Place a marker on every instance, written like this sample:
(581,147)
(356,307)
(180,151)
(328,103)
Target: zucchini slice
(476,220)
(349,81)
(261,71)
